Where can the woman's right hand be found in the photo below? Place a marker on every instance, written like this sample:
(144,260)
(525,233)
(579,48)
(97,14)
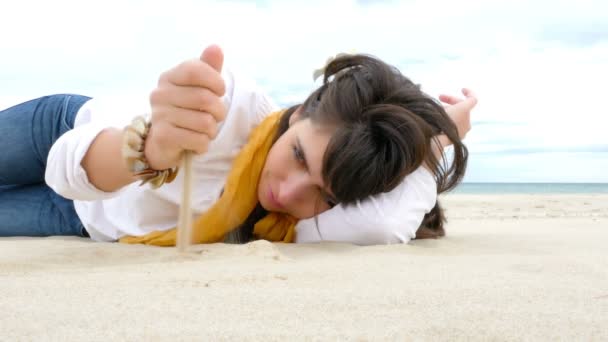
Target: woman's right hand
(186,109)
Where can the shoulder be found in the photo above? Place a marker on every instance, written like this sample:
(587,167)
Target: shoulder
(247,104)
(245,97)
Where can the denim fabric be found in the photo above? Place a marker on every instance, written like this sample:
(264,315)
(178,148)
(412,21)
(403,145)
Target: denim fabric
(28,207)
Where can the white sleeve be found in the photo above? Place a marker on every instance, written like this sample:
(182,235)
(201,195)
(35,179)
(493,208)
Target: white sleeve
(386,218)
(264,105)
(247,98)
(64,172)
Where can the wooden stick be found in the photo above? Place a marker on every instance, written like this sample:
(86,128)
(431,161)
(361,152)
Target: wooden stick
(184,223)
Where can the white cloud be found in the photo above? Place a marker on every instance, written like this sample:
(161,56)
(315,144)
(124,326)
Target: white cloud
(538,65)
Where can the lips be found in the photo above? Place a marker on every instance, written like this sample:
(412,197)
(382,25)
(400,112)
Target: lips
(273,200)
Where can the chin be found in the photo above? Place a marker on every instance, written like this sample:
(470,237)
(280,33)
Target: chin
(265,206)
(261,202)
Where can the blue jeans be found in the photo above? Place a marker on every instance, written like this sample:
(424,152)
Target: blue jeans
(28,207)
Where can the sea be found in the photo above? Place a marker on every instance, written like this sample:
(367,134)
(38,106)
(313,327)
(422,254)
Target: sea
(531,188)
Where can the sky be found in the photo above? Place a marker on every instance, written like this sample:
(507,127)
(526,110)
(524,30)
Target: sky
(538,67)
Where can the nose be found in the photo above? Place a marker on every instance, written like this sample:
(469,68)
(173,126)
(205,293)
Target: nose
(294,188)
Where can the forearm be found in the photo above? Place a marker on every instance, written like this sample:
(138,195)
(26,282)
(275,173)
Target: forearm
(104,164)
(439,143)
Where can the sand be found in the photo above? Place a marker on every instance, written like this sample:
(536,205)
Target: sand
(513,267)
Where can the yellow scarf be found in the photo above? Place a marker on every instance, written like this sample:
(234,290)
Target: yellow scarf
(238,200)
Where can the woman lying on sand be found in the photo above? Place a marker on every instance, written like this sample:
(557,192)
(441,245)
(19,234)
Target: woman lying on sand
(360,160)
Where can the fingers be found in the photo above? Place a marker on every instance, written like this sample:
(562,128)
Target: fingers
(186,108)
(470,96)
(195,73)
(192,141)
(465,105)
(451,100)
(191,98)
(196,110)
(195,121)
(468,92)
(185,139)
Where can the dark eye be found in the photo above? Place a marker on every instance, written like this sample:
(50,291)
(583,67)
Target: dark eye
(298,154)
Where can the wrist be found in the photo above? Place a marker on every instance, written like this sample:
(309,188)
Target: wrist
(443,141)
(102,163)
(134,150)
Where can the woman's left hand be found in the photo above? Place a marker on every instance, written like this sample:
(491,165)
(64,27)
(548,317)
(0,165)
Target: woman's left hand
(459,110)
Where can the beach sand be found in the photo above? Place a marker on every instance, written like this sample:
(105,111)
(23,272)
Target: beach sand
(513,267)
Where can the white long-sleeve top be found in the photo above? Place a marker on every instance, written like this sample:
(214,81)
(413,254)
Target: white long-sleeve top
(391,217)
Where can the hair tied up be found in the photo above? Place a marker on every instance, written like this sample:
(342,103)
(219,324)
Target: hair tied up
(321,71)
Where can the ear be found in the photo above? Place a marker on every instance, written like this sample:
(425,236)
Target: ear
(294,117)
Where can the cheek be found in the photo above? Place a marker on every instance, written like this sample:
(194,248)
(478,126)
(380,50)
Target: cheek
(280,159)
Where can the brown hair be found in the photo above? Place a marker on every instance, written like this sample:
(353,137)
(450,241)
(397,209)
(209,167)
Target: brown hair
(384,130)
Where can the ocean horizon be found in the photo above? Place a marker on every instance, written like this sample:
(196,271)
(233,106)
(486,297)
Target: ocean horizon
(531,188)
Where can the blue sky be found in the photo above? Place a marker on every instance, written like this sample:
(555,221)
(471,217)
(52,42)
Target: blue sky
(539,67)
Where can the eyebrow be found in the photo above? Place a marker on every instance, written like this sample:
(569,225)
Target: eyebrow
(299,144)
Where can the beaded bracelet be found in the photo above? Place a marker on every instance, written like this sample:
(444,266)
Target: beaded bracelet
(133,143)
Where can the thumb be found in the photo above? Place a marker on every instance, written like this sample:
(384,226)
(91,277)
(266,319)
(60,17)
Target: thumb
(213,56)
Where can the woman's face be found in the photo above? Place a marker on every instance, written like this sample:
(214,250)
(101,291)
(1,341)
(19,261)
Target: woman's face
(291,181)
